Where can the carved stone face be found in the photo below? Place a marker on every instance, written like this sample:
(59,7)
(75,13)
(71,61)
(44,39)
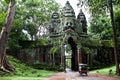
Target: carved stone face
(69,24)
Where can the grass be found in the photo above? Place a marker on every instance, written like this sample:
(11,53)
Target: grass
(20,78)
(24,72)
(105,71)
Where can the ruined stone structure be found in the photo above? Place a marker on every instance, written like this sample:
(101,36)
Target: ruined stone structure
(71,30)
(68,30)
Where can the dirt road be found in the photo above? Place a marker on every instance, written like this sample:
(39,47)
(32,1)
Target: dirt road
(70,75)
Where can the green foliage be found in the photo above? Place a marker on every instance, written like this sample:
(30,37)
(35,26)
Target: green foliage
(29,16)
(17,25)
(16,34)
(107,43)
(3,6)
(31,29)
(23,71)
(17,30)
(105,71)
(23,0)
(97,7)
(85,42)
(86,50)
(97,43)
(117,20)
(42,42)
(47,67)
(13,46)
(35,13)
(31,44)
(23,18)
(54,49)
(27,43)
(2,19)
(7,1)
(100,24)
(100,27)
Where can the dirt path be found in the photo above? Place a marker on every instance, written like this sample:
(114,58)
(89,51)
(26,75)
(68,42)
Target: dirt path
(76,76)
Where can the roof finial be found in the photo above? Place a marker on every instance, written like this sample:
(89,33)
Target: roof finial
(81,11)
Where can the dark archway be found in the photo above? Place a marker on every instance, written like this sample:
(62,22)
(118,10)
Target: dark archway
(74,59)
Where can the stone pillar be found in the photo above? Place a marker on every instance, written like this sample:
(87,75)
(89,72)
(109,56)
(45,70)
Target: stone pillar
(79,56)
(62,57)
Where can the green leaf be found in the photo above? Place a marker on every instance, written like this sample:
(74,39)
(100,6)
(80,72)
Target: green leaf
(7,1)
(54,49)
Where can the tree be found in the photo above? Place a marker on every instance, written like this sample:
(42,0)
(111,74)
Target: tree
(100,28)
(114,38)
(117,19)
(104,7)
(32,30)
(29,16)
(4,35)
(35,13)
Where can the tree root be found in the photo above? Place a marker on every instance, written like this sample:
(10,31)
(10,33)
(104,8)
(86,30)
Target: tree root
(8,69)
(3,69)
(6,66)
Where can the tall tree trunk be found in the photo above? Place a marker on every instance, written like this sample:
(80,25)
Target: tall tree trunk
(114,38)
(4,35)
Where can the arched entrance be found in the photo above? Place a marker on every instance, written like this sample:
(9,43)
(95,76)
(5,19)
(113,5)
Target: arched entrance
(74,57)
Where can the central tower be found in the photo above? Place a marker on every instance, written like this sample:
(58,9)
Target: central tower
(68,18)
(69,30)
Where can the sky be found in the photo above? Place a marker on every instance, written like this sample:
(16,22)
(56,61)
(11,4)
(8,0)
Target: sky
(74,5)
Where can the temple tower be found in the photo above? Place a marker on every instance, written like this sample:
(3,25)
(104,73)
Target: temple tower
(69,27)
(82,20)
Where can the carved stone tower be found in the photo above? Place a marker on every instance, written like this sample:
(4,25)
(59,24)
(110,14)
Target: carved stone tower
(54,27)
(69,31)
(68,16)
(82,20)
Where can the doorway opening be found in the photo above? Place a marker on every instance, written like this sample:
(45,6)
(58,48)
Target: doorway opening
(72,60)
